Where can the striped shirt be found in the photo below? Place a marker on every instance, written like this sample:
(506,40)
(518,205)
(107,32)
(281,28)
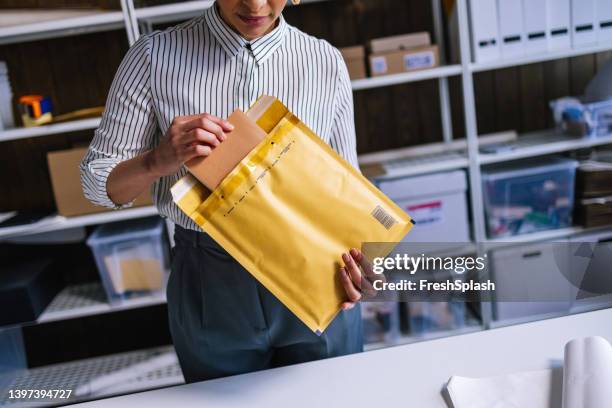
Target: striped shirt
(200,66)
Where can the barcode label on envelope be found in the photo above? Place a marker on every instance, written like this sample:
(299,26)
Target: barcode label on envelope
(383,217)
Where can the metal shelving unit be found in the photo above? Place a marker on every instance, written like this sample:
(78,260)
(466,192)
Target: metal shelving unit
(46,130)
(396,79)
(543,143)
(90,299)
(58,222)
(28,25)
(542,57)
(135,20)
(408,339)
(69,376)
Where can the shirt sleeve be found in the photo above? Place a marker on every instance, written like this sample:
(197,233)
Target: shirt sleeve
(343,139)
(127,127)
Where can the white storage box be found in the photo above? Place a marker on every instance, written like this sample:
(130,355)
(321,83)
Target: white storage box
(437,204)
(131,257)
(528,283)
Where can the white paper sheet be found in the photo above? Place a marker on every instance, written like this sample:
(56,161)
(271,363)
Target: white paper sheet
(586,382)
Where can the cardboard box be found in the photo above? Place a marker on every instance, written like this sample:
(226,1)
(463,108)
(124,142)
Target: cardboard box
(396,62)
(211,170)
(354,57)
(66,182)
(400,42)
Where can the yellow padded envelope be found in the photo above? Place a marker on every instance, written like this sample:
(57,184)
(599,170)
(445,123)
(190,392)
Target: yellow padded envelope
(289,210)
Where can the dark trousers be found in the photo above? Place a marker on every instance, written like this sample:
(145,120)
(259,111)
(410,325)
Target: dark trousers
(224,322)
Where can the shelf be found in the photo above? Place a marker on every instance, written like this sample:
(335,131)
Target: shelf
(532,59)
(90,299)
(543,143)
(68,376)
(93,123)
(18,25)
(408,339)
(172,12)
(179,11)
(424,164)
(45,130)
(547,235)
(395,79)
(57,222)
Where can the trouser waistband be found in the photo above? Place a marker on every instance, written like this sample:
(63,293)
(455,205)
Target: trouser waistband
(195,238)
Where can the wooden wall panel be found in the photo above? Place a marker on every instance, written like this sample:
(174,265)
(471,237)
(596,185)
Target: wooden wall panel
(507,97)
(77,71)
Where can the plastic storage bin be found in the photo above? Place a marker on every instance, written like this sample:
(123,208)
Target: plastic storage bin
(436,202)
(531,196)
(578,118)
(423,318)
(380,322)
(132,257)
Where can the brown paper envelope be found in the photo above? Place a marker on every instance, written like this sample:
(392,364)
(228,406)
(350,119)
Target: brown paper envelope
(211,170)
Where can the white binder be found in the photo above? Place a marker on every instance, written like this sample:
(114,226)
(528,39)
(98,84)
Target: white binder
(484,30)
(584,18)
(510,21)
(559,24)
(604,13)
(534,20)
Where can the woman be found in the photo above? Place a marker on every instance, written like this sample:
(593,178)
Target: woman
(165,107)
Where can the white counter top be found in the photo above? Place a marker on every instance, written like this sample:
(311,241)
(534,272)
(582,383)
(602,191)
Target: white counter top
(411,375)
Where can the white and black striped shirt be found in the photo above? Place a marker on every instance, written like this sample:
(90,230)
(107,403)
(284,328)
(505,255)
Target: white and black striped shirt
(204,66)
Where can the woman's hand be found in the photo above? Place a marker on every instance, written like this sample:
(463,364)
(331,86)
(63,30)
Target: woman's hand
(188,137)
(354,282)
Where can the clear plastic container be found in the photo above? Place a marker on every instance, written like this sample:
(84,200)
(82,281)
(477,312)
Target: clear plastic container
(380,322)
(530,196)
(589,119)
(430,317)
(132,258)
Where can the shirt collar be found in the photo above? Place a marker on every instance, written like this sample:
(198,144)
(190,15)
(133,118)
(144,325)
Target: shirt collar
(233,42)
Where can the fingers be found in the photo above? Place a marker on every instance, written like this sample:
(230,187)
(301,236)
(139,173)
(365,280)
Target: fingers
(182,120)
(352,269)
(198,136)
(366,266)
(196,150)
(208,123)
(351,291)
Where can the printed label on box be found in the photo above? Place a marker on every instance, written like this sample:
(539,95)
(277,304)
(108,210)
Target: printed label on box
(379,65)
(426,214)
(425,59)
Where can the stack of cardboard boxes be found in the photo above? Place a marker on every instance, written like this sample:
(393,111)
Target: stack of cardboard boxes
(66,182)
(392,55)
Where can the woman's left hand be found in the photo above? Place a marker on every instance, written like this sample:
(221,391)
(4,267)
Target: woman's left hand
(354,282)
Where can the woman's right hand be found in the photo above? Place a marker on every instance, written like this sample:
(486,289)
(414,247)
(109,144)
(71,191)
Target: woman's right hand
(188,137)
